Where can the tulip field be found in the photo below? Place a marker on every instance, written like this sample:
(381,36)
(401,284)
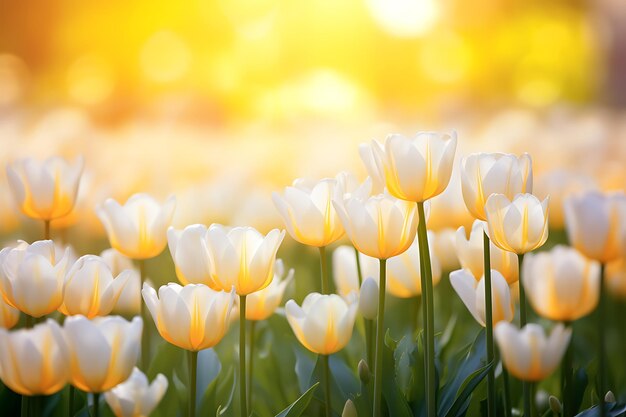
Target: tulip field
(354,306)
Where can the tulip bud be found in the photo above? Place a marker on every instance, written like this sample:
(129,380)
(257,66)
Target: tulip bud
(380,226)
(191,259)
(137,229)
(349,410)
(368,299)
(45,190)
(103,351)
(324,323)
(242,257)
(416,168)
(364,372)
(609,397)
(555,405)
(135,397)
(484,174)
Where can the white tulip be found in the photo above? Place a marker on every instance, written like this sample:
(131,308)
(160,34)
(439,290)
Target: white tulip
(189,252)
(135,397)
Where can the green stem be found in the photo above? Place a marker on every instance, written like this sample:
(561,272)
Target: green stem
(46,229)
(359,272)
(192,363)
(71,401)
(24,412)
(251,362)
(324,268)
(507,392)
(427,294)
(327,407)
(145,335)
(380,329)
(96,404)
(523,319)
(242,356)
(491,376)
(28,321)
(566,377)
(601,324)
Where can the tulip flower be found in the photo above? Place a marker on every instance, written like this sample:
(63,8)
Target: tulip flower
(417,168)
(242,258)
(472,293)
(103,351)
(45,190)
(368,296)
(91,289)
(138,229)
(596,224)
(470,253)
(404,275)
(9,315)
(262,304)
(483,174)
(367,154)
(32,277)
(345,275)
(189,252)
(129,301)
(527,353)
(445,249)
(323,324)
(34,361)
(135,397)
(561,284)
(616,278)
(193,317)
(519,225)
(380,226)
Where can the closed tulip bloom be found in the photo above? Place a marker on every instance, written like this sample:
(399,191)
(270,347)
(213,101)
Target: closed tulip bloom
(138,229)
(518,226)
(262,304)
(345,274)
(103,351)
(34,361)
(380,226)
(483,174)
(91,289)
(470,252)
(189,252)
(9,315)
(32,277)
(242,257)
(368,298)
(308,212)
(561,284)
(416,168)
(135,397)
(444,249)
(527,353)
(472,293)
(324,322)
(45,190)
(403,271)
(193,317)
(596,224)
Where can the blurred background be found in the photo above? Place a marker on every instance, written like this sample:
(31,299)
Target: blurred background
(223,102)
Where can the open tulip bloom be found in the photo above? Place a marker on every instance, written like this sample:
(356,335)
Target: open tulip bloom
(45,190)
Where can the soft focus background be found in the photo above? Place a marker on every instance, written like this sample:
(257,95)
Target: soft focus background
(222,102)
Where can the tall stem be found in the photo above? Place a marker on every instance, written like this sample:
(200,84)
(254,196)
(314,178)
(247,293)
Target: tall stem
(242,356)
(46,229)
(96,404)
(192,363)
(324,268)
(526,388)
(380,329)
(491,376)
(427,295)
(359,271)
(145,335)
(24,412)
(28,321)
(251,362)
(71,401)
(566,376)
(325,359)
(507,393)
(367,323)
(601,341)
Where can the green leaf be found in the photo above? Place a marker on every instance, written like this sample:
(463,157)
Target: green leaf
(611,409)
(394,399)
(297,408)
(461,402)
